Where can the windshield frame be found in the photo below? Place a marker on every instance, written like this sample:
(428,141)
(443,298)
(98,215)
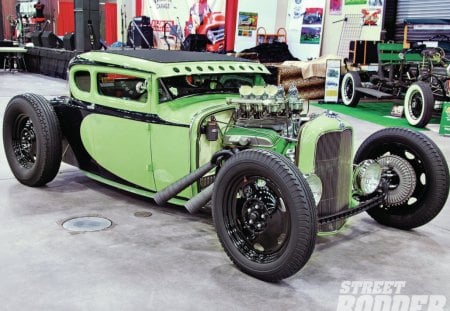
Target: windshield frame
(179,86)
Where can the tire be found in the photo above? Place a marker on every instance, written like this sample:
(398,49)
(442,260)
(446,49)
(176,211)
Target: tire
(418,104)
(350,81)
(32,139)
(264,214)
(419,183)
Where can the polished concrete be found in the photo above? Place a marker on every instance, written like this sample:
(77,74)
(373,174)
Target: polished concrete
(173,260)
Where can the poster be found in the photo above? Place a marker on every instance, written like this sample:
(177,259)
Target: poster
(312,26)
(310,35)
(313,16)
(247,23)
(173,21)
(332,80)
(371,17)
(335,7)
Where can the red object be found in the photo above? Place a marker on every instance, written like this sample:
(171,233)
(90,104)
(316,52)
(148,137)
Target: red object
(215,23)
(138,8)
(230,23)
(110,22)
(66,18)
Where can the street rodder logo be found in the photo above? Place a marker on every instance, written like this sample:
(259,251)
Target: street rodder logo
(385,296)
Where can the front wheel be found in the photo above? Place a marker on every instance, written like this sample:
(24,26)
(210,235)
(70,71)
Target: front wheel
(418,176)
(418,105)
(264,214)
(32,139)
(350,81)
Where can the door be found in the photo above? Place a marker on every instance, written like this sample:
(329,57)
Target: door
(117,133)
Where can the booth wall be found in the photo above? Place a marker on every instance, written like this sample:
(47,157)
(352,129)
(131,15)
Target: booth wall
(333,28)
(265,10)
(304,25)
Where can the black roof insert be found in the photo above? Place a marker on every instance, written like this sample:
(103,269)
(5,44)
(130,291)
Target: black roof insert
(164,56)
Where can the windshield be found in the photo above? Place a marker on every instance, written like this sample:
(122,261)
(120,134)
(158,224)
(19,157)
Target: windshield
(179,86)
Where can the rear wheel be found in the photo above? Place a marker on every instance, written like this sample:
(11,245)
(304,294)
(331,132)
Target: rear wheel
(350,81)
(419,102)
(32,139)
(264,214)
(418,174)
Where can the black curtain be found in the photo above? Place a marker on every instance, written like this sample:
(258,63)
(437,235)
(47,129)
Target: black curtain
(389,17)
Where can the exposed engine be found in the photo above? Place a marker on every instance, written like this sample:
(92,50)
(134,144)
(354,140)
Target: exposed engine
(269,107)
(434,69)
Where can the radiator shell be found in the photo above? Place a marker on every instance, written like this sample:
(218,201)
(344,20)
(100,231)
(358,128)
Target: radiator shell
(325,148)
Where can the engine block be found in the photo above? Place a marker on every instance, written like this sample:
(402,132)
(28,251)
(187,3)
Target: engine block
(268,107)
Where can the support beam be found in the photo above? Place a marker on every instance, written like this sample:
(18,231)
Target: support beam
(230,24)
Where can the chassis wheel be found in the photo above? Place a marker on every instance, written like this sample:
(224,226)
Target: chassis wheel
(264,214)
(419,102)
(418,174)
(350,81)
(32,139)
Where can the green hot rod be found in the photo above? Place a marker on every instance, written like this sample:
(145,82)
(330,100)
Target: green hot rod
(189,128)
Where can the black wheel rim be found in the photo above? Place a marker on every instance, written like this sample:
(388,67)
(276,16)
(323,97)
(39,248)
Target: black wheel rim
(416,105)
(348,89)
(24,141)
(256,218)
(419,165)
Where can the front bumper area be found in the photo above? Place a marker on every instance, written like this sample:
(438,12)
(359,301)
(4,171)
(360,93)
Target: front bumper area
(375,201)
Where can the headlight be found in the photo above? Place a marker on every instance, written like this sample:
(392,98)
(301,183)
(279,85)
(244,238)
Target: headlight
(315,184)
(210,36)
(367,177)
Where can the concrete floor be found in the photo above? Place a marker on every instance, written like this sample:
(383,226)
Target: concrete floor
(173,260)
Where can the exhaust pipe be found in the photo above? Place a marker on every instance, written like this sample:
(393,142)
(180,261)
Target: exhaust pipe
(200,200)
(172,190)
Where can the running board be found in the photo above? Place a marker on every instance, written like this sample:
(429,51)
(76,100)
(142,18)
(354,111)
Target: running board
(374,93)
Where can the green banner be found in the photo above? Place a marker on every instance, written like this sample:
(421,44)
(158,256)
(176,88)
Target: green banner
(347,2)
(444,129)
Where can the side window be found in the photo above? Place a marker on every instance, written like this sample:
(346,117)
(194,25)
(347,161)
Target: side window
(83,80)
(163,93)
(122,86)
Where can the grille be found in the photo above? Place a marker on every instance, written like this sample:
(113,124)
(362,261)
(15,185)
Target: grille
(217,34)
(206,181)
(333,164)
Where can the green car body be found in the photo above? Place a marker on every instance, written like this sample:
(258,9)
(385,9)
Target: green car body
(155,162)
(189,128)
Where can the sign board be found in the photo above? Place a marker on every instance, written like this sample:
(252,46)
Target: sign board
(332,80)
(173,21)
(444,128)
